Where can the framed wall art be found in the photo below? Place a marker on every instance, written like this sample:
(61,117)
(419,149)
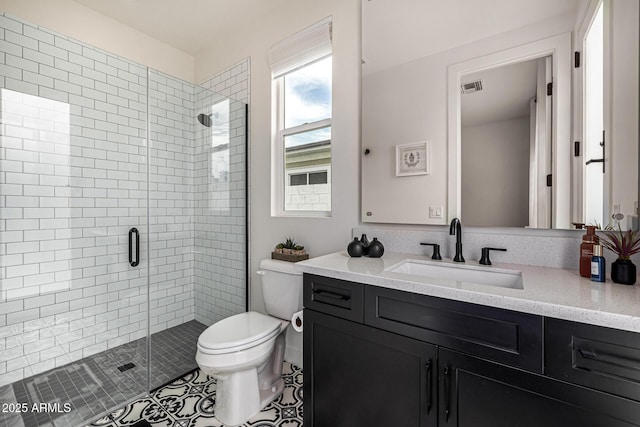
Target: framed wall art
(412,159)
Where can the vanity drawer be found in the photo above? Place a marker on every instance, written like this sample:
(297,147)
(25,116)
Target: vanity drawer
(601,358)
(334,297)
(501,335)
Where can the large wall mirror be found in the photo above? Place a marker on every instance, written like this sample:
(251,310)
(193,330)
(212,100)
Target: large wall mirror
(483,111)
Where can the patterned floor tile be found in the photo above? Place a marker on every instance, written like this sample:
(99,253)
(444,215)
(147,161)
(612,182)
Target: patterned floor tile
(106,421)
(143,409)
(189,402)
(188,396)
(205,421)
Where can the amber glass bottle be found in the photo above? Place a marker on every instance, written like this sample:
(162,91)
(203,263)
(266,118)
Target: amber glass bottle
(586,250)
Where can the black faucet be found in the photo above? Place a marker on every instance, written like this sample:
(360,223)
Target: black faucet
(484,260)
(456,229)
(436,250)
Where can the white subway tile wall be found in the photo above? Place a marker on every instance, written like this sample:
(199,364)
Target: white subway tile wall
(73,180)
(233,82)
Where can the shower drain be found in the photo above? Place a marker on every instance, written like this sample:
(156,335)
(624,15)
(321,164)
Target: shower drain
(126,367)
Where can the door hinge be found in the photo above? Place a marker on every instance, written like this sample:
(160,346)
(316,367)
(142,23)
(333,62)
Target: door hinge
(549,180)
(576,59)
(549,88)
(576,148)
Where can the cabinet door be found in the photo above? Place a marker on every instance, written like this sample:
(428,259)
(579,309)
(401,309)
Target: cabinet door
(358,376)
(478,393)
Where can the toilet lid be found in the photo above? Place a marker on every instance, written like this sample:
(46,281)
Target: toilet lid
(239,332)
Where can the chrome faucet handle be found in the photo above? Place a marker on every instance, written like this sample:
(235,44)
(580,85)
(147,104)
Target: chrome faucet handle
(436,250)
(484,260)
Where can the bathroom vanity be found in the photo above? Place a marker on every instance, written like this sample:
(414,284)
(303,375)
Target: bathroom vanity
(385,345)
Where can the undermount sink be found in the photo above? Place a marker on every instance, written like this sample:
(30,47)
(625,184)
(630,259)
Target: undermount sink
(460,273)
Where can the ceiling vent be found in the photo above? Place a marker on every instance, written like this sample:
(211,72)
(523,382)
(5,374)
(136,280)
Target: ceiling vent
(471,87)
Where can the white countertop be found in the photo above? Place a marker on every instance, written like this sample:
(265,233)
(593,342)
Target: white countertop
(552,292)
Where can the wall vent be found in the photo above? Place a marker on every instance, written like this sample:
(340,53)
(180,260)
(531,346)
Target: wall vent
(471,87)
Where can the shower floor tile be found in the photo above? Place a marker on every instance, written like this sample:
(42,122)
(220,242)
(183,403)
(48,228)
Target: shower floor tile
(189,401)
(94,385)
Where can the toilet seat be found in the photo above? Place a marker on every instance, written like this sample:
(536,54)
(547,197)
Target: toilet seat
(238,332)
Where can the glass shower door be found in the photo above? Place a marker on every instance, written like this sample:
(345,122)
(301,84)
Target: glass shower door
(73,186)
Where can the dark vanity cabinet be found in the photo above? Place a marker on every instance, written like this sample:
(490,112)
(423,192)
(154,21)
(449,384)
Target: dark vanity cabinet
(476,392)
(382,357)
(358,375)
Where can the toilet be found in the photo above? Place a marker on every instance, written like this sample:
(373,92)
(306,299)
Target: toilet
(244,352)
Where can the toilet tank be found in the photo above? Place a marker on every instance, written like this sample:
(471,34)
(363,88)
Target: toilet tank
(281,287)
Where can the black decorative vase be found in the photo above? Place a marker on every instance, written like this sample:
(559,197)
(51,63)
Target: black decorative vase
(623,271)
(355,249)
(365,244)
(375,249)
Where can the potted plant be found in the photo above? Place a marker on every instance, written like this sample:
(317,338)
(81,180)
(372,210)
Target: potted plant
(624,244)
(290,251)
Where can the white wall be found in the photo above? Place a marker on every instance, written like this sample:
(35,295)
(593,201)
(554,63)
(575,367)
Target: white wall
(81,23)
(319,235)
(495,173)
(409,104)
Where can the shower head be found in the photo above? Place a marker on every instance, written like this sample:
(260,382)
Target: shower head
(205,119)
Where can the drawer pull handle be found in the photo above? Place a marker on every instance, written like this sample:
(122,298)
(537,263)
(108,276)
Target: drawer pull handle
(429,385)
(447,392)
(609,358)
(331,295)
(587,353)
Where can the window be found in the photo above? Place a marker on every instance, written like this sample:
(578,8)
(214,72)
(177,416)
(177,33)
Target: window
(219,133)
(317,178)
(308,178)
(302,85)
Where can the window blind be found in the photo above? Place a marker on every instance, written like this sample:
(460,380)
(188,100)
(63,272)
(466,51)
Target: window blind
(302,48)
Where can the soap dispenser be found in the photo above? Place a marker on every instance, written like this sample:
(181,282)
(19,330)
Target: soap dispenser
(589,240)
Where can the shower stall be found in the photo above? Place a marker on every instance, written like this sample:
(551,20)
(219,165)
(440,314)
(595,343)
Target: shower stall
(123,225)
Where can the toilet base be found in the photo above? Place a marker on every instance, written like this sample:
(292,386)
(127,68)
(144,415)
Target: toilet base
(237,397)
(241,395)
(268,396)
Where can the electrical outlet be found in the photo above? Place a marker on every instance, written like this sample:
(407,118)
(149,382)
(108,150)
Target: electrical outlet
(435,211)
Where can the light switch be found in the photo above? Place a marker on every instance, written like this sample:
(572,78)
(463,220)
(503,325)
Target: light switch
(435,211)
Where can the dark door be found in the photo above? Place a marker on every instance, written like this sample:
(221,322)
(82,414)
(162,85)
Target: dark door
(477,393)
(358,376)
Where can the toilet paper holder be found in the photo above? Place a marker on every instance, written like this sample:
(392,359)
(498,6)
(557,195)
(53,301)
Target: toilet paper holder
(297,321)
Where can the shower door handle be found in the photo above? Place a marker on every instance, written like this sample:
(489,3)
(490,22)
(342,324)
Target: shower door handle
(132,232)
